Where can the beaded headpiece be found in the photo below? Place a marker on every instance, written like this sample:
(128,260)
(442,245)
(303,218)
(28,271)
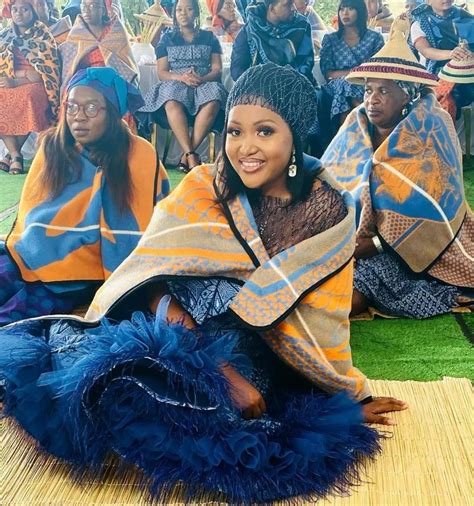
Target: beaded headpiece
(283,90)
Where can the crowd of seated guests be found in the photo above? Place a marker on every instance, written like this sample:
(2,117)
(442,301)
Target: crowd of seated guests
(189,92)
(381,220)
(29,80)
(39,54)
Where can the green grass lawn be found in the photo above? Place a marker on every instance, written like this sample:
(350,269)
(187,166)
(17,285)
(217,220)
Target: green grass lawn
(423,350)
(396,349)
(10,191)
(469,181)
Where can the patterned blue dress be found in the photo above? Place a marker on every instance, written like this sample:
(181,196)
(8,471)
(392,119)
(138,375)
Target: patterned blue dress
(183,56)
(394,289)
(337,55)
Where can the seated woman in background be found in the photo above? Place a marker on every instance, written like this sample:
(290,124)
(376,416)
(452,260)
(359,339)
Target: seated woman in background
(305,8)
(189,67)
(225,18)
(59,28)
(436,33)
(351,45)
(29,80)
(273,32)
(410,6)
(88,197)
(98,38)
(243,382)
(400,158)
(73,8)
(379,14)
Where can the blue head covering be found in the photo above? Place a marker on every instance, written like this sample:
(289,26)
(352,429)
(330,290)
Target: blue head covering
(121,94)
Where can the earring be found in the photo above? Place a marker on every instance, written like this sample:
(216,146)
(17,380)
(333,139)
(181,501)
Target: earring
(405,111)
(292,169)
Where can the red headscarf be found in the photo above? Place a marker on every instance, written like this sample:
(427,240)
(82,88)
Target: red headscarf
(212,6)
(7,5)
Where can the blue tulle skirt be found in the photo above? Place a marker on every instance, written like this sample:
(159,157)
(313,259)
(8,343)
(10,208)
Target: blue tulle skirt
(153,393)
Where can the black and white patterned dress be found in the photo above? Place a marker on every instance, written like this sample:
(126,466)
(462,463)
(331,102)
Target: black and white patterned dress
(182,56)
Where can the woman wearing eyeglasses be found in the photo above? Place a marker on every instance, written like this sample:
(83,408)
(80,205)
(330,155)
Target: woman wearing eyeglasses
(84,205)
(98,39)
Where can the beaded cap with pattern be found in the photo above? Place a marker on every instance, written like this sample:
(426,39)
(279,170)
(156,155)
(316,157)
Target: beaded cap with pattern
(283,90)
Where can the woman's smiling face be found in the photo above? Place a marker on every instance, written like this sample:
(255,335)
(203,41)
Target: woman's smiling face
(259,145)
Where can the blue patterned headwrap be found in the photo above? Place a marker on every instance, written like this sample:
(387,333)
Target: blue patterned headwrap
(121,94)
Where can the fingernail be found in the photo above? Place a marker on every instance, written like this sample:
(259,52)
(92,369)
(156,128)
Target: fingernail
(391,422)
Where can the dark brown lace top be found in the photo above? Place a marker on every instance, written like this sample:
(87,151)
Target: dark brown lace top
(282,224)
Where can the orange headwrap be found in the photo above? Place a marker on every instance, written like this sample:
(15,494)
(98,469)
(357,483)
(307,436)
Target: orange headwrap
(213,6)
(7,5)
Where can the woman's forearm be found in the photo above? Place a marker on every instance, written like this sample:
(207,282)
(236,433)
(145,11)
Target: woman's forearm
(336,74)
(432,53)
(166,75)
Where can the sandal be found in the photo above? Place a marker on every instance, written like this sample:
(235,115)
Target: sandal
(193,153)
(5,163)
(15,171)
(182,167)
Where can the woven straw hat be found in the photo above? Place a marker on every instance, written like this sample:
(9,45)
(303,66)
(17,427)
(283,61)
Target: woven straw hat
(394,61)
(154,14)
(458,71)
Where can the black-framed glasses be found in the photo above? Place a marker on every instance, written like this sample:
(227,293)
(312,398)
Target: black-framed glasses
(91,109)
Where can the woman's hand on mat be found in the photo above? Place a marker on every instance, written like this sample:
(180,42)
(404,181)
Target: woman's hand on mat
(373,410)
(245,396)
(365,248)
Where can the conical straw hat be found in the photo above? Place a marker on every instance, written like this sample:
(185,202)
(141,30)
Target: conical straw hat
(459,71)
(394,61)
(154,14)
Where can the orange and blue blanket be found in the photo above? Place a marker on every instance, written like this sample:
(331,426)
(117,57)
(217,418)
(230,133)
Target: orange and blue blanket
(299,300)
(81,235)
(153,390)
(409,191)
(113,46)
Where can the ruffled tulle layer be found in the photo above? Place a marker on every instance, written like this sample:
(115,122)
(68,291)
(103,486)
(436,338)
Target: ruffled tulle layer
(153,393)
